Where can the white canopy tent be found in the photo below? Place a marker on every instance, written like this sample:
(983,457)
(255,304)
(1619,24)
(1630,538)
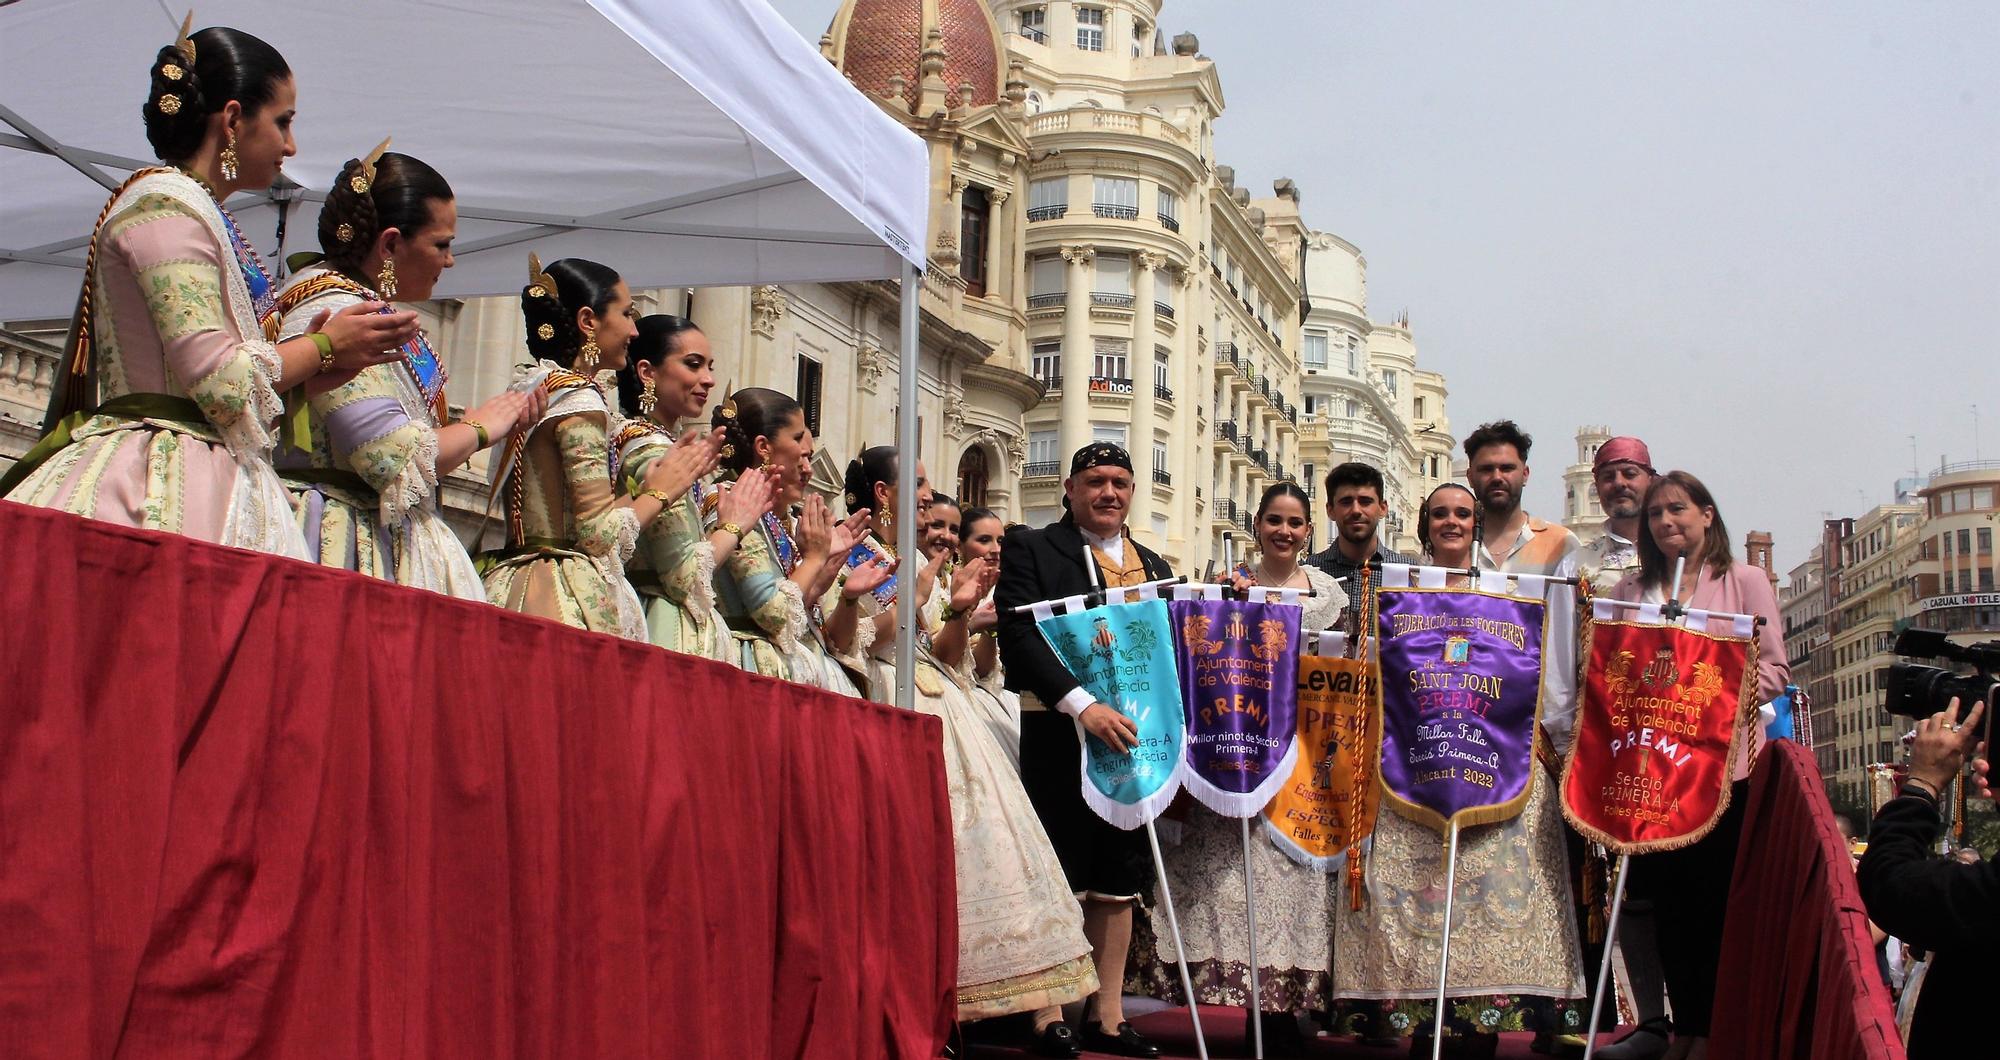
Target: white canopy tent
(684,143)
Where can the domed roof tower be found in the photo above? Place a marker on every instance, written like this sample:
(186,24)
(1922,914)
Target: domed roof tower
(923,55)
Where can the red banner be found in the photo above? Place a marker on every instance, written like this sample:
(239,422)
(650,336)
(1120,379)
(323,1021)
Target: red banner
(1661,709)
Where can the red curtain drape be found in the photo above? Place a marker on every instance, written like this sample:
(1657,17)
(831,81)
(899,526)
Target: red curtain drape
(1798,975)
(252,806)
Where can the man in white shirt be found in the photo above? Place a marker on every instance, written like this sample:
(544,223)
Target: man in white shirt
(1621,474)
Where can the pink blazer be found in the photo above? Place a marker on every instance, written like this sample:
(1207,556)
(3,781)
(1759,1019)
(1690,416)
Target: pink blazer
(1744,590)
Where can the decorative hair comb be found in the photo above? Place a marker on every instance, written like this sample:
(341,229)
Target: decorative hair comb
(540,284)
(185,43)
(364,180)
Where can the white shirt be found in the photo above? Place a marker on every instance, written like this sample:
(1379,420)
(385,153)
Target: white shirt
(1113,548)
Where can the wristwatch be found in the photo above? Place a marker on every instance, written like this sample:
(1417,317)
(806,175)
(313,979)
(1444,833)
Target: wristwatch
(658,494)
(731,529)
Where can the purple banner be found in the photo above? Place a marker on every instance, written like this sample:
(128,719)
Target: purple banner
(1461,696)
(1239,678)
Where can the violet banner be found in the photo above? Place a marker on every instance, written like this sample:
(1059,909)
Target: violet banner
(1239,665)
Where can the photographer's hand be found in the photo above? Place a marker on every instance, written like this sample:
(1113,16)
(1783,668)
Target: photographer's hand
(1942,745)
(1982,773)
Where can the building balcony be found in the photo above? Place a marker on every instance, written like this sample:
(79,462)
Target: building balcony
(1047,213)
(1087,119)
(1046,301)
(1225,353)
(1042,469)
(1107,384)
(1106,298)
(1163,310)
(1031,33)
(1051,385)
(1225,511)
(1163,392)
(1162,477)
(1169,223)
(1226,430)
(1115,212)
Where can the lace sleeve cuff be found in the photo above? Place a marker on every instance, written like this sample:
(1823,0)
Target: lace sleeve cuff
(415,484)
(787,635)
(241,398)
(624,534)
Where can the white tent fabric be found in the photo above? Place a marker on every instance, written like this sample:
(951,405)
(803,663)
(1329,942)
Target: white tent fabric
(686,143)
(683,142)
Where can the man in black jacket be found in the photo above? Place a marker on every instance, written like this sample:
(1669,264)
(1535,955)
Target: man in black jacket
(1937,904)
(1108,868)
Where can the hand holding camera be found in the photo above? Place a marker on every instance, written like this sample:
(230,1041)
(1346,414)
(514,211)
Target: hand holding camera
(1943,743)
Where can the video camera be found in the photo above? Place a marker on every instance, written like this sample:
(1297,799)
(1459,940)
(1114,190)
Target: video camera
(1919,691)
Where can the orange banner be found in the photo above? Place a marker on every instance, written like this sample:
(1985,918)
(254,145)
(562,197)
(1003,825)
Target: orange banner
(1316,817)
(1655,734)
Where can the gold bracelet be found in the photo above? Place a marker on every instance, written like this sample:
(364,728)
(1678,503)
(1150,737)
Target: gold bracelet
(731,529)
(478,428)
(660,495)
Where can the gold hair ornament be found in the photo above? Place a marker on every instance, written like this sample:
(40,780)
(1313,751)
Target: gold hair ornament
(185,43)
(170,104)
(540,284)
(365,179)
(546,332)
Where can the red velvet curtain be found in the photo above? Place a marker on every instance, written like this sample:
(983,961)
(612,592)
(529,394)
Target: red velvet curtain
(252,806)
(1798,976)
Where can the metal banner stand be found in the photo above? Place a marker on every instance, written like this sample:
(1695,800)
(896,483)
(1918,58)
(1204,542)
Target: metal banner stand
(1160,868)
(1180,951)
(1604,965)
(1250,908)
(1672,612)
(1444,940)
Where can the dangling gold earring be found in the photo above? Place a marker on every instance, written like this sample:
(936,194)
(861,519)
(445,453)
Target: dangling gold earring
(586,358)
(385,280)
(229,160)
(888,522)
(648,401)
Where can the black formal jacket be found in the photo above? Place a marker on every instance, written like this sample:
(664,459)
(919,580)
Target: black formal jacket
(1046,564)
(1939,905)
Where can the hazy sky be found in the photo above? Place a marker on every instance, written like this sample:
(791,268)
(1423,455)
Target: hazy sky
(1762,237)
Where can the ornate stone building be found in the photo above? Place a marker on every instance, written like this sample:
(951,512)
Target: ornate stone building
(1365,398)
(1092,273)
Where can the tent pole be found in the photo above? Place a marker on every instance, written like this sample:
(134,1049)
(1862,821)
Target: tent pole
(906,495)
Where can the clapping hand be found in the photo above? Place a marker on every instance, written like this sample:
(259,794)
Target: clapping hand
(690,459)
(815,533)
(867,576)
(850,532)
(970,584)
(747,500)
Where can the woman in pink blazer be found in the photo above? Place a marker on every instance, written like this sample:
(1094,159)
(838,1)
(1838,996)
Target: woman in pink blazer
(1690,886)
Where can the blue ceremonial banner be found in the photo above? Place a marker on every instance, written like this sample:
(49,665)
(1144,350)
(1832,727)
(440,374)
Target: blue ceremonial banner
(1124,655)
(1239,676)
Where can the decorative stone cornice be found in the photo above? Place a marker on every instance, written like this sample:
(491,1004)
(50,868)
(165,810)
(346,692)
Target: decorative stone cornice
(870,362)
(767,307)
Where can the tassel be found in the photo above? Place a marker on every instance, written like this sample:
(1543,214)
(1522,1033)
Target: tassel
(1595,866)
(1354,888)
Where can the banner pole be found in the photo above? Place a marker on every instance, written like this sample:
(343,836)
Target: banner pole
(1250,908)
(1604,965)
(1444,941)
(1180,950)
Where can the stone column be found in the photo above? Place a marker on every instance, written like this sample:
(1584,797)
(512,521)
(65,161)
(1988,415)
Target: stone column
(1074,429)
(1139,365)
(1001,276)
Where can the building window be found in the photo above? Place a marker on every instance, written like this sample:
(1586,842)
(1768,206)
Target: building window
(1090,29)
(1419,408)
(1046,364)
(973,214)
(1170,211)
(1045,281)
(1114,280)
(1048,198)
(1108,367)
(1108,432)
(1034,24)
(1162,363)
(1116,197)
(808,391)
(972,478)
(1965,541)
(1353,409)
(1311,402)
(1389,382)
(1160,474)
(1034,102)
(1985,539)
(1138,38)
(1042,458)
(1353,355)
(1163,293)
(1315,349)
